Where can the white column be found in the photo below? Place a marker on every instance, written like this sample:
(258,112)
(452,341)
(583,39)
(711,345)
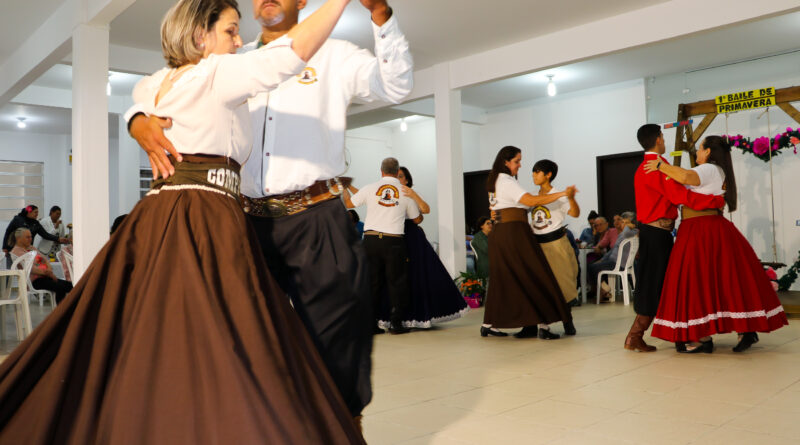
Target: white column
(89,142)
(128,169)
(450,179)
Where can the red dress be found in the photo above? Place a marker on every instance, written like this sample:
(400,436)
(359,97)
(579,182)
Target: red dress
(715,284)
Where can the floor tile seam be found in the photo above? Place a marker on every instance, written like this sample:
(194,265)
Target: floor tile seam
(574,404)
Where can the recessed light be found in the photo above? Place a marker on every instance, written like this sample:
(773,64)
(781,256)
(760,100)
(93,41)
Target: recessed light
(551,86)
(21,123)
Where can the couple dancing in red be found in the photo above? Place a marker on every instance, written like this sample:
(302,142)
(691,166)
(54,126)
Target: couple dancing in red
(711,281)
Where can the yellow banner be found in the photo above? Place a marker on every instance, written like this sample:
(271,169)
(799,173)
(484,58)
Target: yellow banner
(676,153)
(745,95)
(746,105)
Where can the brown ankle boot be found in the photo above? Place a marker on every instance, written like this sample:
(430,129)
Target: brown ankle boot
(635,340)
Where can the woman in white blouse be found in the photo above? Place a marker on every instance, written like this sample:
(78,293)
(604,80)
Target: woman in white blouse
(176,332)
(524,292)
(715,283)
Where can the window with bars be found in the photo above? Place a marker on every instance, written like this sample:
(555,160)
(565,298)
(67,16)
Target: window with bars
(21,184)
(145,178)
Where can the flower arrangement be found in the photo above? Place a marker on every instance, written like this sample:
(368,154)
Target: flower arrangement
(786,281)
(762,146)
(472,288)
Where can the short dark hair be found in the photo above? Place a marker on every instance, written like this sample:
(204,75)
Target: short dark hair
(592,215)
(481,221)
(390,166)
(409,179)
(546,166)
(647,135)
(55,209)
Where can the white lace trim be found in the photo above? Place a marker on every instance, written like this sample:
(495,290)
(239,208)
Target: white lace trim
(716,316)
(188,187)
(384,324)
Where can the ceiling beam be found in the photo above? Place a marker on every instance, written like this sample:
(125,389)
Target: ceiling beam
(658,23)
(52,42)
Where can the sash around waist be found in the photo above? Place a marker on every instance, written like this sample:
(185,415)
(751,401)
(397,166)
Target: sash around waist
(511,215)
(216,172)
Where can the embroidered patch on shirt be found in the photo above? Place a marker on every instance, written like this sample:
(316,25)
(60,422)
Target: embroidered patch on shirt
(308,76)
(541,217)
(389,196)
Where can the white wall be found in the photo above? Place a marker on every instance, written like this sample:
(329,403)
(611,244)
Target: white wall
(53,151)
(752,175)
(571,130)
(416,150)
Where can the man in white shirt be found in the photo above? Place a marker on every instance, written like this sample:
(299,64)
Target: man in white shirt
(52,225)
(290,182)
(384,227)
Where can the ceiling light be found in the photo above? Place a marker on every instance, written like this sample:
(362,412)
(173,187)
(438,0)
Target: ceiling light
(551,86)
(403,125)
(108,85)
(21,123)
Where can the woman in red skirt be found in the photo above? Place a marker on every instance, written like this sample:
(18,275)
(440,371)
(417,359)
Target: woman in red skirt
(715,283)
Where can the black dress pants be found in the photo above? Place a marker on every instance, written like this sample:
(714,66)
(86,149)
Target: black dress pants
(317,258)
(59,287)
(388,267)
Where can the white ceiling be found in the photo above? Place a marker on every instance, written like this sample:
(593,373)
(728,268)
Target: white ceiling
(18,20)
(45,120)
(443,30)
(437,30)
(769,36)
(60,76)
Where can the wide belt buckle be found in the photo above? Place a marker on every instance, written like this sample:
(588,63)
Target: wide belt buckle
(275,208)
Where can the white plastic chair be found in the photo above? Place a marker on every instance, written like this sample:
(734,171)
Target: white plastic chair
(19,303)
(624,271)
(27,264)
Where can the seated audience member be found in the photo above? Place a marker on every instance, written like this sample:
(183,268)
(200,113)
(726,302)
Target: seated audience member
(359,225)
(42,276)
(608,236)
(28,218)
(587,237)
(480,243)
(52,224)
(626,225)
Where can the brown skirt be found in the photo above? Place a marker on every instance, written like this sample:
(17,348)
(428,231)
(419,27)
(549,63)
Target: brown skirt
(561,257)
(176,334)
(523,291)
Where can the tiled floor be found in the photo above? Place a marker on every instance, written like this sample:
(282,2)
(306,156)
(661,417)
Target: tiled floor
(450,386)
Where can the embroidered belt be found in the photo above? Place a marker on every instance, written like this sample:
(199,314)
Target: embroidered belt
(295,202)
(511,215)
(687,213)
(381,234)
(216,172)
(663,223)
(552,236)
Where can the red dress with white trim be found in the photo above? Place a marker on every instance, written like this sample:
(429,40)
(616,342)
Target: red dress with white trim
(715,282)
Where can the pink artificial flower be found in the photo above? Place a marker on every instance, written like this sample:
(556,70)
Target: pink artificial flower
(761,145)
(771,274)
(789,129)
(736,144)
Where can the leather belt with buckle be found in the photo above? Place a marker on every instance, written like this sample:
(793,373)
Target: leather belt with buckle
(381,234)
(295,202)
(663,224)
